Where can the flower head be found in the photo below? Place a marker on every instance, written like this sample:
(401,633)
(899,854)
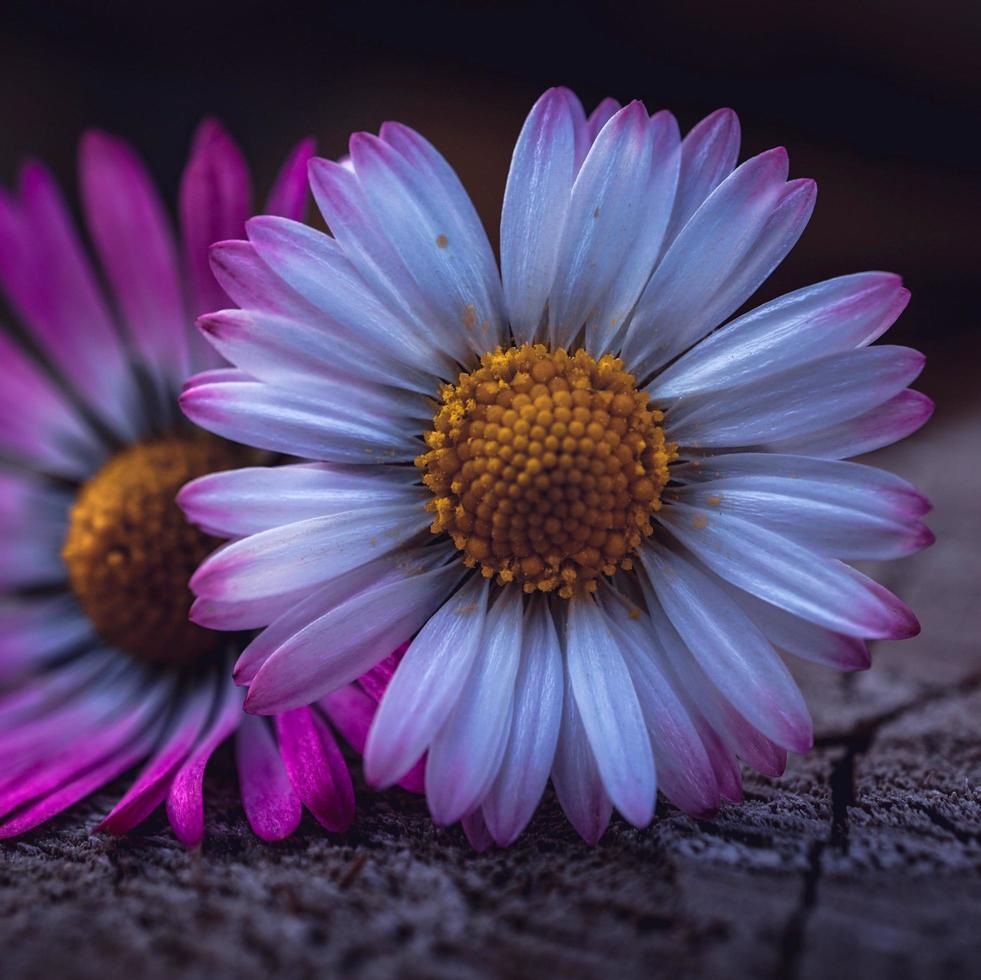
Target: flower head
(100,669)
(595,517)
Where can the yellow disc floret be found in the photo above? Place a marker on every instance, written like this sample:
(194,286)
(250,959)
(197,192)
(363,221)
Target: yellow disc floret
(546,467)
(129,552)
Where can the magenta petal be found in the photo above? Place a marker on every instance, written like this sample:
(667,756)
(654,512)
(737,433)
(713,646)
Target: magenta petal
(152,785)
(271,805)
(185,802)
(131,232)
(376,680)
(80,785)
(288,197)
(316,768)
(215,201)
(351,712)
(48,278)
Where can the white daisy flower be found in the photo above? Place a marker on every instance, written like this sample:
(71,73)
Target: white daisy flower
(599,520)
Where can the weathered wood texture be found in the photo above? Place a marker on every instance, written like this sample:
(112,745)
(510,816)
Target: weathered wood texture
(862,861)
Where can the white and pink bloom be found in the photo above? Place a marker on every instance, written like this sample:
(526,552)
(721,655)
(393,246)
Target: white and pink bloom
(99,670)
(598,507)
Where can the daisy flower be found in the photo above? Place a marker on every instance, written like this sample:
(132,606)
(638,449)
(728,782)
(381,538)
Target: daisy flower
(600,520)
(100,670)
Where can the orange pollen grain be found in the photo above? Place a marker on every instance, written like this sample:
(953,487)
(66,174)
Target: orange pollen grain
(546,467)
(129,552)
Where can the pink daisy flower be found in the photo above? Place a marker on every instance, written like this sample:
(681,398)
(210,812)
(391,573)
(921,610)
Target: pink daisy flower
(600,521)
(100,670)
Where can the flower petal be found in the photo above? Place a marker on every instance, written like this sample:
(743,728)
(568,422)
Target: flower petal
(307,553)
(340,646)
(426,684)
(734,654)
(236,503)
(820,590)
(684,771)
(708,154)
(185,800)
(828,318)
(796,401)
(288,197)
(279,420)
(576,777)
(536,202)
(838,521)
(731,244)
(610,712)
(50,281)
(271,805)
(215,201)
(316,768)
(150,788)
(131,233)
(883,425)
(535,724)
(603,221)
(466,753)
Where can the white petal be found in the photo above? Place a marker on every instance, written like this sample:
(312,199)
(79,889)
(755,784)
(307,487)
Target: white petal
(312,355)
(838,521)
(801,638)
(735,655)
(821,590)
(466,753)
(603,221)
(274,418)
(796,401)
(534,734)
(883,425)
(881,487)
(684,771)
(731,244)
(536,203)
(610,712)
(426,685)
(576,777)
(306,553)
(431,225)
(653,209)
(237,503)
(349,640)
(307,608)
(827,318)
(724,732)
(314,265)
(368,248)
(708,154)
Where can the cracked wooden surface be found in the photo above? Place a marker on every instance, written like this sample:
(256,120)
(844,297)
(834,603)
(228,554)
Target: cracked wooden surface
(863,860)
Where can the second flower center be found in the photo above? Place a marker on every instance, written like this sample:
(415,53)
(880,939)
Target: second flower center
(129,551)
(546,467)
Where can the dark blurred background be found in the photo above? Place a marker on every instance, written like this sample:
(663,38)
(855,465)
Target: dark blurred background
(877,100)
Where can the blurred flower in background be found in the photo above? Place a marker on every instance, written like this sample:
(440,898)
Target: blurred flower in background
(617,515)
(100,669)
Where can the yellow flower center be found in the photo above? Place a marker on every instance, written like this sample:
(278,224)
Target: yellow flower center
(130,553)
(546,467)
